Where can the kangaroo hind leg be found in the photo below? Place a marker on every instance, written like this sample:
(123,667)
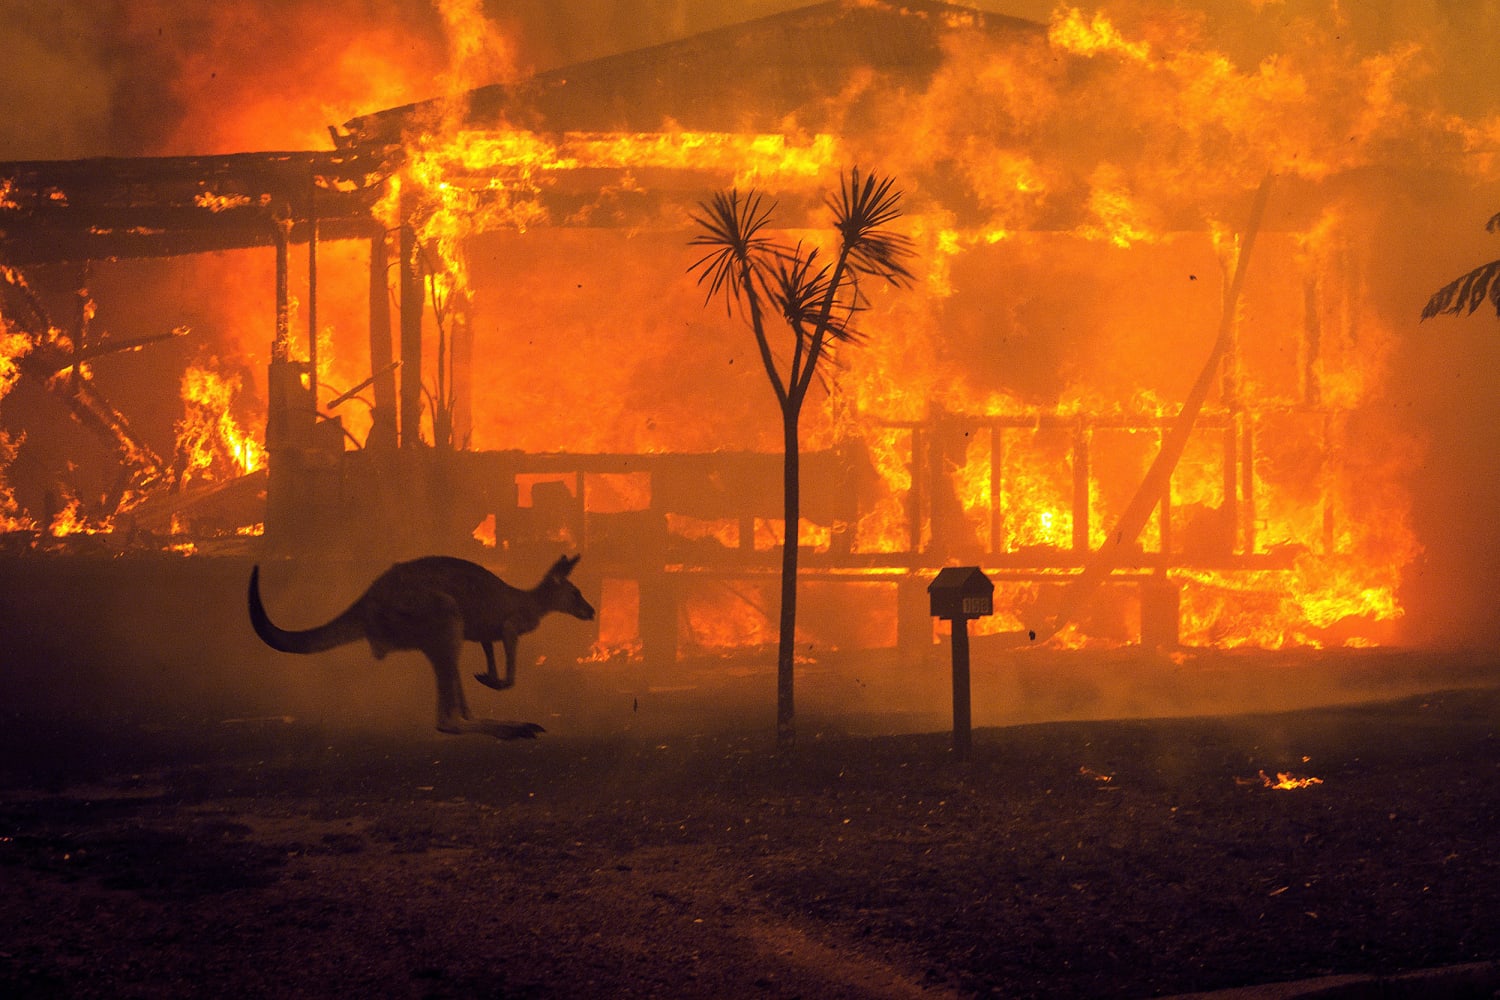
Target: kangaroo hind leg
(443,651)
(442,646)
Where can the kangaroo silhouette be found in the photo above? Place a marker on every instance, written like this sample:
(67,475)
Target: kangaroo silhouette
(433,604)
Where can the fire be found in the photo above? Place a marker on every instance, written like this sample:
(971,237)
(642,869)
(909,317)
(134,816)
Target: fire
(1072,32)
(220,202)
(211,443)
(1121,220)
(14,346)
(72,520)
(1286,781)
(749,159)
(11,516)
(484,532)
(619,624)
(1078,245)
(467,180)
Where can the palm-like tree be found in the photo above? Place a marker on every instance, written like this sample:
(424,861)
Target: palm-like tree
(816,299)
(1468,292)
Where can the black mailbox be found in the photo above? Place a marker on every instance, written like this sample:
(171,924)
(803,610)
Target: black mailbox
(961,592)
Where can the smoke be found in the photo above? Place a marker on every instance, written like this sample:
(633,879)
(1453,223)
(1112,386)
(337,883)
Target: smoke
(121,78)
(161,78)
(155,78)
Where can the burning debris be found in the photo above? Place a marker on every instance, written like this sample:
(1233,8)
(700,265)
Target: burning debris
(1284,781)
(504,348)
(1287,782)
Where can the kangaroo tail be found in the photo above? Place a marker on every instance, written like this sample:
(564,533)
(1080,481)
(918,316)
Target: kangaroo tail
(343,629)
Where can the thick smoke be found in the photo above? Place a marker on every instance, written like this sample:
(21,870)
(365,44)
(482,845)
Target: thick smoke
(118,78)
(158,78)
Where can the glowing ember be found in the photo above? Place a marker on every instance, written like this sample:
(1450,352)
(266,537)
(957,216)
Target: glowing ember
(1286,781)
(220,202)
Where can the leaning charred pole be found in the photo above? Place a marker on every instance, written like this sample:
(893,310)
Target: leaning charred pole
(383,362)
(410,285)
(1157,483)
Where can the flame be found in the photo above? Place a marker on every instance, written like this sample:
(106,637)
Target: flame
(1286,781)
(211,443)
(1070,31)
(723,531)
(1120,218)
(747,159)
(484,532)
(72,520)
(723,616)
(886,527)
(619,623)
(14,346)
(1075,283)
(11,516)
(471,180)
(220,202)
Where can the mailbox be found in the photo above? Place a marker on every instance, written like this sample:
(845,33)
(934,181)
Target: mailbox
(961,592)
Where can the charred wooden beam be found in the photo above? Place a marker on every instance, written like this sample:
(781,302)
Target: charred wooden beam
(47,359)
(382,360)
(116,208)
(411,337)
(141,466)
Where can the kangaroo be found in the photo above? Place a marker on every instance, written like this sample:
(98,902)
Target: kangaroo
(433,604)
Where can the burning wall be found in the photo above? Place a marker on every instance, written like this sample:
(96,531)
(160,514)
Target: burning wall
(1079,192)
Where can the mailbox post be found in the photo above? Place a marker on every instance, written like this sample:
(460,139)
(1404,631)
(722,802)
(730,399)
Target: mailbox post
(959,593)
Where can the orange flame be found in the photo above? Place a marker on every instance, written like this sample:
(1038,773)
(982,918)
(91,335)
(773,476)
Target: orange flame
(1286,781)
(1077,284)
(71,520)
(211,443)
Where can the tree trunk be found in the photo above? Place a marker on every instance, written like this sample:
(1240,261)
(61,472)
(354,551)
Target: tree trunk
(792,516)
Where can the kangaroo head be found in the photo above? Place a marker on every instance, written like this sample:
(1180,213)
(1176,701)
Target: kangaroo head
(559,593)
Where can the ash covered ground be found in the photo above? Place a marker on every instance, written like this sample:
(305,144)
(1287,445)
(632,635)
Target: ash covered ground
(166,831)
(1106,858)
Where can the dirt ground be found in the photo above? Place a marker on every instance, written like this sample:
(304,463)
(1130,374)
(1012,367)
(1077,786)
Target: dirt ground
(280,857)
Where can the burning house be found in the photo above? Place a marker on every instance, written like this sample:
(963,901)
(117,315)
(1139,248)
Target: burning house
(470,325)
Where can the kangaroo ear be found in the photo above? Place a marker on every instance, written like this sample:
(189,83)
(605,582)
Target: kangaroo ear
(564,566)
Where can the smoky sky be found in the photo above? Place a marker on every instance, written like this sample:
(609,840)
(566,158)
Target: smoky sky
(158,77)
(155,77)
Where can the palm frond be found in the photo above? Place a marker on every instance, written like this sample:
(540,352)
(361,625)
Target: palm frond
(1468,292)
(733,230)
(800,284)
(861,210)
